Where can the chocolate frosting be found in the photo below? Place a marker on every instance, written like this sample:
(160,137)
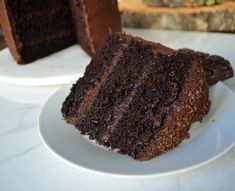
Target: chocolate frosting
(94,20)
(158,48)
(7,22)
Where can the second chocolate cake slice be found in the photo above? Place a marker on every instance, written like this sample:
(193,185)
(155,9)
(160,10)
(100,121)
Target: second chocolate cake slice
(138,97)
(36,28)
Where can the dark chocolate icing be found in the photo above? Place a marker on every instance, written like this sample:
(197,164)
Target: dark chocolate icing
(7,23)
(94,20)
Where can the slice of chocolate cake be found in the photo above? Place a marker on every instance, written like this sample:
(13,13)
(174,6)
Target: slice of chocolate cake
(138,97)
(36,28)
(93,21)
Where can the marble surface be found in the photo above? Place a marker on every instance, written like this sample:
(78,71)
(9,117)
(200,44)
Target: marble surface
(26,164)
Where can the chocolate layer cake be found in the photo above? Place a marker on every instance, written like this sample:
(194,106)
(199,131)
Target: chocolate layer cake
(94,20)
(36,28)
(138,97)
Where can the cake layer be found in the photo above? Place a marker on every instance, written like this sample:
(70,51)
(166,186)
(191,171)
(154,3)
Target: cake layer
(146,91)
(46,46)
(213,18)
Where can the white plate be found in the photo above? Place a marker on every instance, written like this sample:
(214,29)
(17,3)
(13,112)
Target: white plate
(62,67)
(209,140)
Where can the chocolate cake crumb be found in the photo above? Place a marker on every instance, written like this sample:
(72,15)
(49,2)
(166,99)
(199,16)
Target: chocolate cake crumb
(143,99)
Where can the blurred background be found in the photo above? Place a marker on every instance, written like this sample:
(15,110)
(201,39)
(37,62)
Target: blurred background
(189,15)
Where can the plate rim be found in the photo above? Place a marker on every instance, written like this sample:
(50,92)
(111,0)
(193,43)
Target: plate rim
(129,176)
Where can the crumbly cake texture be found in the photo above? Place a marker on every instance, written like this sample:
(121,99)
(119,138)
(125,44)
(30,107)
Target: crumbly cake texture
(36,28)
(220,17)
(138,97)
(181,3)
(93,21)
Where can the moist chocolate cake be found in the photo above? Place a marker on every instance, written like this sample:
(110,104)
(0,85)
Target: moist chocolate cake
(138,97)
(36,28)
(93,20)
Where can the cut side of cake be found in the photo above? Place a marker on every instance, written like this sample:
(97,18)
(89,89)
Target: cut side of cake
(138,97)
(36,28)
(93,21)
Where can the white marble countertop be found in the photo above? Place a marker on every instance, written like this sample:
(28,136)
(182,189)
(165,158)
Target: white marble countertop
(26,164)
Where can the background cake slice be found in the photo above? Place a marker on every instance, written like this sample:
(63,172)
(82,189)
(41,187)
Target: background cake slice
(36,28)
(93,21)
(142,100)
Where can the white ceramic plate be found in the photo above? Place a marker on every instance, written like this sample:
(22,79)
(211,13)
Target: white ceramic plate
(62,67)
(209,140)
